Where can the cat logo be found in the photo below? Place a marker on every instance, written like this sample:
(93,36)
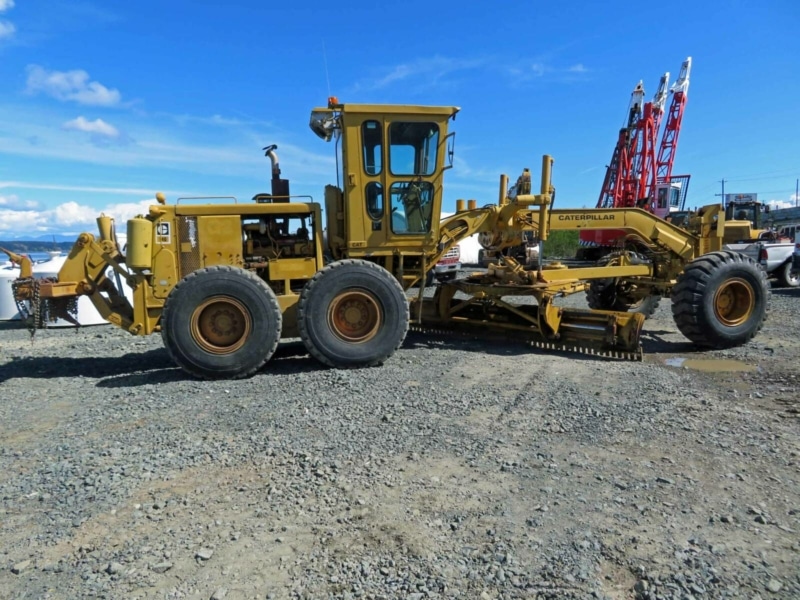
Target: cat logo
(163,233)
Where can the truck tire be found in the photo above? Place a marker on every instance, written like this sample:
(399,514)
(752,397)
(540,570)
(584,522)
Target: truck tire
(720,300)
(787,276)
(352,313)
(605,294)
(221,323)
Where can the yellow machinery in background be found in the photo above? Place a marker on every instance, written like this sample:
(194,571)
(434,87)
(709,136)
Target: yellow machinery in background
(224,282)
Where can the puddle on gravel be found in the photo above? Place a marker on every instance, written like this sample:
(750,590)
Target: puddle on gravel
(710,365)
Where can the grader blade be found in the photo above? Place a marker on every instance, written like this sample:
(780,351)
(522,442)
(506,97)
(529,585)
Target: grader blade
(605,334)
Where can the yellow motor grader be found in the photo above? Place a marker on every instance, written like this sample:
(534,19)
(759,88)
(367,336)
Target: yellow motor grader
(223,282)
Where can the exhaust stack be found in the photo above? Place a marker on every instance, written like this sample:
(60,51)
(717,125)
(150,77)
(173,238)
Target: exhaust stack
(280,187)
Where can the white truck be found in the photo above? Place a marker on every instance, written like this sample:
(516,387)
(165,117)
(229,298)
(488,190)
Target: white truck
(774,257)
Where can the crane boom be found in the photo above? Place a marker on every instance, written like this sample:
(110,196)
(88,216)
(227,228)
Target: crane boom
(672,129)
(611,191)
(640,172)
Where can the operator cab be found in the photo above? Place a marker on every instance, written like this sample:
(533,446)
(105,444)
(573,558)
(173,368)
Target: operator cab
(391,161)
(670,195)
(745,221)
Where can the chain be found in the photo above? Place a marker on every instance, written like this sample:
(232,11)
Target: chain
(37,312)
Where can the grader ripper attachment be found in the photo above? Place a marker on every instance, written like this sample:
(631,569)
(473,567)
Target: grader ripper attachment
(223,283)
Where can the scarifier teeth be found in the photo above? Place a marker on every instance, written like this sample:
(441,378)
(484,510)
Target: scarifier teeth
(589,351)
(550,346)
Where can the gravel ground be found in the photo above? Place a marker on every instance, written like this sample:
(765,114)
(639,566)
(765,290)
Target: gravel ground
(458,469)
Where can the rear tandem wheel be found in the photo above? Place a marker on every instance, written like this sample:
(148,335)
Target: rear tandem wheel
(720,300)
(352,313)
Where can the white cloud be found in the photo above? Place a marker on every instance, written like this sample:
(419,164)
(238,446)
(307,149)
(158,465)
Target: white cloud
(73,86)
(544,69)
(776,204)
(20,220)
(7,29)
(215,120)
(14,203)
(82,188)
(71,213)
(538,69)
(123,211)
(96,127)
(431,70)
(69,216)
(438,70)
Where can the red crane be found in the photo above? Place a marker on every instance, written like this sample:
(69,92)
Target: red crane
(611,191)
(637,176)
(671,191)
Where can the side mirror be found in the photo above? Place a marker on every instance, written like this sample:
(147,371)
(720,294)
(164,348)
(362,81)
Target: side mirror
(450,142)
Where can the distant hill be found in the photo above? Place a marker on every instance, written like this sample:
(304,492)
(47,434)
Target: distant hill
(42,238)
(27,246)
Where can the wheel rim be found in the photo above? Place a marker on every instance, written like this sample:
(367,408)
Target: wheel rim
(734,302)
(221,325)
(355,316)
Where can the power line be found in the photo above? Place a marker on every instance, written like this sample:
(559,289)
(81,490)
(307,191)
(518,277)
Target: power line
(771,175)
(770,178)
(783,191)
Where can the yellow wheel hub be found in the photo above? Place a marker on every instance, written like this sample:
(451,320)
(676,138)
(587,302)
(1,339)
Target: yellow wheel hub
(355,317)
(734,302)
(221,325)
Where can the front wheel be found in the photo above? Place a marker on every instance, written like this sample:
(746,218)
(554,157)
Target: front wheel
(720,300)
(221,322)
(352,313)
(788,276)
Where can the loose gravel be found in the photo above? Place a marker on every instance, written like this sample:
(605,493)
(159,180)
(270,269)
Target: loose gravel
(458,469)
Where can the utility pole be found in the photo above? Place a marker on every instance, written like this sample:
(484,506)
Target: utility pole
(796,193)
(723,193)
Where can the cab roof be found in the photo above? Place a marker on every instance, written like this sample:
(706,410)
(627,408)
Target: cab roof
(393,109)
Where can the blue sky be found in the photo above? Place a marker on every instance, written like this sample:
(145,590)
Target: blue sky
(104,103)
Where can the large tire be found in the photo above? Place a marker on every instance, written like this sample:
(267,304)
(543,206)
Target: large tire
(221,323)
(608,294)
(720,300)
(352,313)
(787,276)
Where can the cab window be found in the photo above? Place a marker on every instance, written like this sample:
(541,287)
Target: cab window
(372,139)
(374,195)
(412,203)
(413,148)
(662,198)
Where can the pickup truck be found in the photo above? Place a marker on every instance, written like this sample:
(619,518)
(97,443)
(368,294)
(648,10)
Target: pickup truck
(450,264)
(447,268)
(775,259)
(796,255)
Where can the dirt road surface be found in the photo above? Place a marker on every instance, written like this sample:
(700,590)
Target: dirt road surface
(458,469)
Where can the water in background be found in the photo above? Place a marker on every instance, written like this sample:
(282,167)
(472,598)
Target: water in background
(36,257)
